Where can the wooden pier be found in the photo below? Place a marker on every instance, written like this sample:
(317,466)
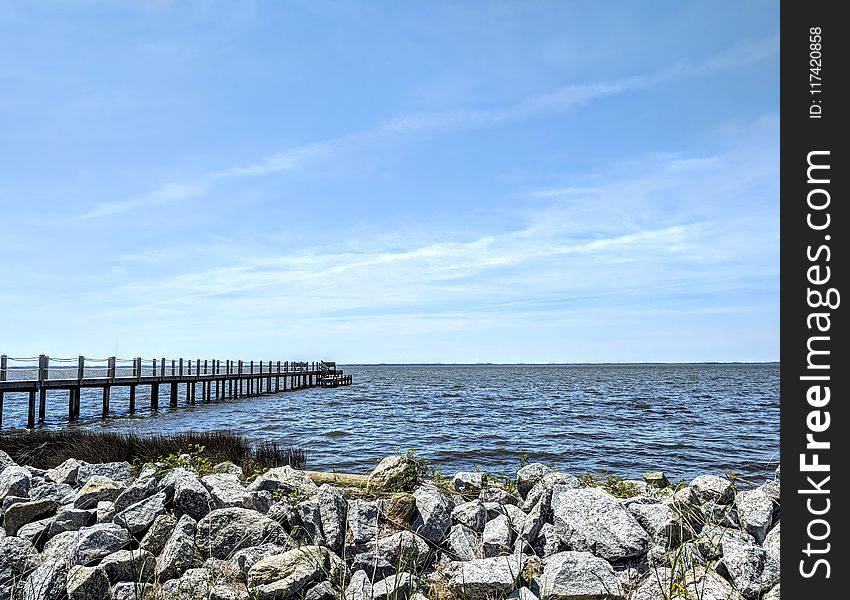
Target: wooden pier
(215,379)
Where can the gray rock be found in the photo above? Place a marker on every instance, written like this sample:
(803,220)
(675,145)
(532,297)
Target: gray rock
(359,588)
(397,586)
(548,541)
(542,488)
(226,491)
(60,493)
(95,542)
(260,501)
(374,565)
(498,495)
(770,489)
(324,590)
(116,471)
(226,530)
(712,538)
(494,509)
(471,514)
(432,517)
(97,489)
(228,468)
(662,523)
(248,557)
(310,518)
(497,537)
(138,517)
(47,582)
(179,551)
(771,542)
(755,511)
(136,492)
(283,575)
(191,498)
(6,461)
(656,479)
(362,521)
(463,543)
(26,512)
(528,475)
(516,516)
(15,481)
(17,557)
(35,532)
(392,473)
(700,583)
(126,590)
(403,549)
(65,473)
(484,578)
(725,515)
(193,584)
(773,593)
(285,514)
(579,575)
(130,565)
(87,583)
(158,534)
(591,520)
(684,558)
(750,569)
(284,479)
(468,481)
(713,488)
(529,528)
(333,510)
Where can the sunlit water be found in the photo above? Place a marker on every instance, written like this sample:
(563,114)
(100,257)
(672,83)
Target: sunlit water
(622,419)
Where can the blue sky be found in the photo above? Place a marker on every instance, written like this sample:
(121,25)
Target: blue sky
(390,181)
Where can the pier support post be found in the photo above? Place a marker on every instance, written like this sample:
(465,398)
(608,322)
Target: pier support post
(155,397)
(43,362)
(132,398)
(173,398)
(106,390)
(31,409)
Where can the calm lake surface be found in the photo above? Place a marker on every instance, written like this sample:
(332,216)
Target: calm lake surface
(623,419)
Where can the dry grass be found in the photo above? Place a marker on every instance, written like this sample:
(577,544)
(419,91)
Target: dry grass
(45,449)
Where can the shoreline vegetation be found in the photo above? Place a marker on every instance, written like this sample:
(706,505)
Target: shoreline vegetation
(187,524)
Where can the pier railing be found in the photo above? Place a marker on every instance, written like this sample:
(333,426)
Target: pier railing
(217,379)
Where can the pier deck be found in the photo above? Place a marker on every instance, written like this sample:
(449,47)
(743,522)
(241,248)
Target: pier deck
(217,379)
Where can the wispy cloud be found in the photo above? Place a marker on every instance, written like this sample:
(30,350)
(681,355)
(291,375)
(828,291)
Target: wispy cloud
(563,99)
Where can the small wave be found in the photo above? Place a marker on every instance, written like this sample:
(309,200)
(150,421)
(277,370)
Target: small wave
(334,433)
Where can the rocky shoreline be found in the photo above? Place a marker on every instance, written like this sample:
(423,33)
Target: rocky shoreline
(194,531)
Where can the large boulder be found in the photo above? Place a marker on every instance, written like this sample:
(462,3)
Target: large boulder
(467,482)
(592,520)
(471,514)
(116,471)
(497,537)
(191,497)
(542,488)
(95,542)
(333,510)
(393,473)
(97,489)
(129,565)
(699,583)
(578,575)
(284,480)
(135,492)
(662,523)
(755,511)
(141,515)
(248,557)
(284,575)
(64,473)
(179,552)
(713,488)
(362,518)
(403,548)
(771,542)
(712,539)
(359,588)
(22,513)
(226,530)
(750,568)
(398,586)
(15,481)
(158,534)
(484,578)
(87,583)
(17,557)
(463,543)
(310,518)
(226,490)
(47,582)
(432,518)
(528,475)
